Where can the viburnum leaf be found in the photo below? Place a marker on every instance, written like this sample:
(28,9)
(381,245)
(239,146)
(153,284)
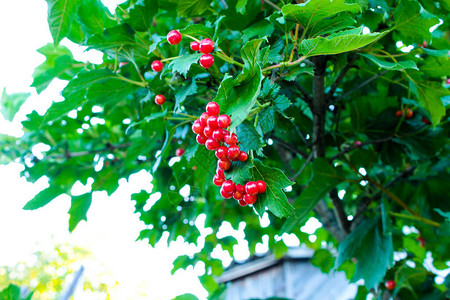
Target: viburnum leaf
(112,37)
(429,94)
(331,25)
(183,64)
(94,17)
(43,198)
(248,136)
(372,250)
(142,13)
(205,164)
(60,17)
(241,6)
(190,88)
(274,198)
(192,8)
(78,209)
(397,66)
(240,172)
(10,104)
(267,119)
(198,30)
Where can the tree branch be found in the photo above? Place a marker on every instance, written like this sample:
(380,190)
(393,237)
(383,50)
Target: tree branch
(361,85)
(340,77)
(302,168)
(341,216)
(348,149)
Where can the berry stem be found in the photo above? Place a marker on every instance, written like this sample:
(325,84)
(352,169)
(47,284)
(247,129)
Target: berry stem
(142,84)
(171,58)
(191,37)
(285,64)
(228,59)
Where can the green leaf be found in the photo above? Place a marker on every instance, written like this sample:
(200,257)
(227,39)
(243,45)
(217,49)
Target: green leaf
(190,88)
(436,67)
(192,8)
(240,172)
(78,209)
(183,64)
(10,104)
(281,103)
(331,25)
(412,26)
(248,136)
(117,36)
(323,259)
(142,13)
(401,65)
(446,215)
(334,44)
(147,119)
(267,119)
(94,16)
(241,6)
(206,163)
(13,292)
(309,13)
(181,262)
(429,94)
(187,296)
(43,198)
(372,250)
(261,29)
(198,30)
(274,198)
(60,16)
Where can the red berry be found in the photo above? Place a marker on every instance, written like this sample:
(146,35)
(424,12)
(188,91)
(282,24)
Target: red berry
(204,119)
(212,122)
(390,284)
(179,152)
(409,113)
(399,113)
(225,194)
(220,173)
(212,108)
(195,46)
(224,164)
(221,152)
(208,131)
(201,139)
(197,127)
(206,46)
(242,202)
(157,66)
(251,187)
(250,198)
(229,186)
(243,156)
(218,134)
(421,241)
(212,144)
(447,81)
(122,64)
(357,143)
(160,99)
(261,185)
(223,121)
(240,188)
(425,120)
(233,152)
(174,37)
(231,139)
(238,195)
(217,180)
(206,61)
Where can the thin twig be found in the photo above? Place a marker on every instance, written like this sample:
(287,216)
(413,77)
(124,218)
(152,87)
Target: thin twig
(273,5)
(302,168)
(340,77)
(306,96)
(339,211)
(348,149)
(362,84)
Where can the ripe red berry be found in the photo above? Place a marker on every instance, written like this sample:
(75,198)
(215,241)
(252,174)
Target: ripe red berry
(217,180)
(231,139)
(225,194)
(206,61)
(160,99)
(122,64)
(204,118)
(357,143)
(243,156)
(224,164)
(208,131)
(229,186)
(390,284)
(261,185)
(233,152)
(223,121)
(212,122)
(221,152)
(157,66)
(212,144)
(218,134)
(174,37)
(220,173)
(421,241)
(240,188)
(399,113)
(447,81)
(409,113)
(212,108)
(201,139)
(238,195)
(425,120)
(206,46)
(250,198)
(251,187)
(195,45)
(242,202)
(179,152)
(197,127)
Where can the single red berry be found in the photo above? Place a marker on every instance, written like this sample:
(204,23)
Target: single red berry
(421,241)
(212,108)
(204,118)
(195,45)
(250,198)
(217,180)
(206,61)
(212,144)
(261,185)
(243,156)
(240,188)
(238,195)
(223,121)
(174,37)
(424,44)
(233,152)
(225,194)
(357,143)
(206,46)
(425,120)
(447,81)
(218,134)
(194,168)
(220,173)
(201,139)
(399,113)
(390,284)
(221,152)
(157,66)
(229,186)
(242,202)
(251,187)
(208,131)
(160,99)
(409,113)
(212,122)
(179,152)
(224,164)
(231,139)
(122,64)
(197,127)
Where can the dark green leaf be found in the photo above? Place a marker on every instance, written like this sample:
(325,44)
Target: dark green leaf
(248,136)
(190,88)
(192,8)
(401,65)
(78,209)
(198,30)
(142,13)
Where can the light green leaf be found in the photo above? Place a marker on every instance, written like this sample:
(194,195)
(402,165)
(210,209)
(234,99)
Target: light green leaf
(94,17)
(429,94)
(112,37)
(401,65)
(13,292)
(10,104)
(192,8)
(60,16)
(274,198)
(241,6)
(323,259)
(187,296)
(147,119)
(183,64)
(43,198)
(142,13)
(78,209)
(198,30)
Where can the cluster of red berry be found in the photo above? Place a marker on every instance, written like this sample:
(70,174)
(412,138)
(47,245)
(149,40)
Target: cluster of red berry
(211,132)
